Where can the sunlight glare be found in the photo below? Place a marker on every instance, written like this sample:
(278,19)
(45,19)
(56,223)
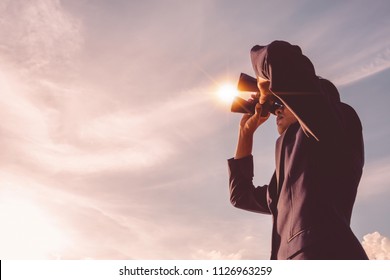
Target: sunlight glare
(27,231)
(227,92)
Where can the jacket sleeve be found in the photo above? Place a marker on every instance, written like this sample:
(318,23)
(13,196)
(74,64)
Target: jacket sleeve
(243,194)
(294,81)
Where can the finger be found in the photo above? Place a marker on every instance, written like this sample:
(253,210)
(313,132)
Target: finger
(263,99)
(245,117)
(258,109)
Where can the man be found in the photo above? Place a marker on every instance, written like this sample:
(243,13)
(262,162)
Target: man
(319,159)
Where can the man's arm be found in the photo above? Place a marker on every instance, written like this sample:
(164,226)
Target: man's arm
(248,126)
(243,194)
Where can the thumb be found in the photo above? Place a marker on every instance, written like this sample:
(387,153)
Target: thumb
(260,109)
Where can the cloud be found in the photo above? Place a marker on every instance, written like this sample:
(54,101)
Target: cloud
(371,61)
(217,255)
(73,137)
(62,133)
(376,246)
(38,34)
(47,120)
(40,40)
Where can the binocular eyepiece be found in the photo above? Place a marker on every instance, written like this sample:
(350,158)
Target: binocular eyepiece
(240,105)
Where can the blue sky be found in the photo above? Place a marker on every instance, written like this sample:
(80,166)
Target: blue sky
(113,140)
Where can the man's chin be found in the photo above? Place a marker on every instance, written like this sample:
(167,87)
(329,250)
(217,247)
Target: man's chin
(281,129)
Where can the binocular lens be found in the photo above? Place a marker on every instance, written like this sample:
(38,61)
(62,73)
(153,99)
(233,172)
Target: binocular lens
(240,105)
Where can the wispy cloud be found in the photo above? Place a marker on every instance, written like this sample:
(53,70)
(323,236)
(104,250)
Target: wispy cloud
(59,138)
(38,33)
(370,63)
(78,124)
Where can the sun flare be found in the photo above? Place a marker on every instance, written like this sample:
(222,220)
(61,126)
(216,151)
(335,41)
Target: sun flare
(227,92)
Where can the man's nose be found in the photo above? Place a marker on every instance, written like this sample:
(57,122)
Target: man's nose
(279,110)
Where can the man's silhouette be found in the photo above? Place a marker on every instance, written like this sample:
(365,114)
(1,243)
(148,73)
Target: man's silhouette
(319,159)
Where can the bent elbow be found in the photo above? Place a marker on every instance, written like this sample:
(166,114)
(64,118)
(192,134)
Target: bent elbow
(237,202)
(243,203)
(233,202)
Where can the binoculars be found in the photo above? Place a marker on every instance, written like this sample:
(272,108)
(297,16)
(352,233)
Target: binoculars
(240,105)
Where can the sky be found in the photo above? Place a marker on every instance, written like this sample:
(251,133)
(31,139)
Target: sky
(113,139)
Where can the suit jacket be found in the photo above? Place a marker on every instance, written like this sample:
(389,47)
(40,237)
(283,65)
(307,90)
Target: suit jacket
(318,160)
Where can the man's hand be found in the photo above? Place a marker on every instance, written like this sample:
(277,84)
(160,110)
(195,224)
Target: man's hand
(265,93)
(248,126)
(249,123)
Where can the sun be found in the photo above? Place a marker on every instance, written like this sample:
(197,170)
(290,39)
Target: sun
(227,92)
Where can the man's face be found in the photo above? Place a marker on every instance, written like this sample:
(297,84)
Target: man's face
(284,118)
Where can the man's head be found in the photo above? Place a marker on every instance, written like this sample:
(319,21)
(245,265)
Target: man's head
(284,118)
